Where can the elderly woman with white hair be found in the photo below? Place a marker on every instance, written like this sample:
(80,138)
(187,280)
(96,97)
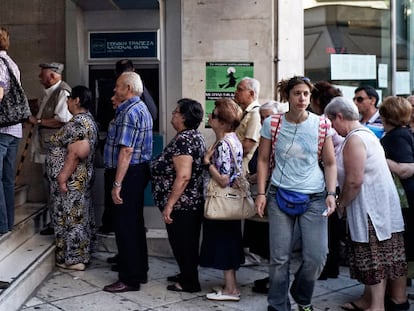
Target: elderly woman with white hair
(369,198)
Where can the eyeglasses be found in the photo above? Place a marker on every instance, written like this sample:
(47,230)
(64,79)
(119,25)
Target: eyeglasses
(359,99)
(214,116)
(241,89)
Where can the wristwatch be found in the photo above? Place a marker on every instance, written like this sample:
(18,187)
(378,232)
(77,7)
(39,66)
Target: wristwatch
(117,184)
(331,193)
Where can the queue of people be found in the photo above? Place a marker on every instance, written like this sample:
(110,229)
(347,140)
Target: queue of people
(321,151)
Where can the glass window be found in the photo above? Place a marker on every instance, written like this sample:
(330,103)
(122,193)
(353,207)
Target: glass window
(349,43)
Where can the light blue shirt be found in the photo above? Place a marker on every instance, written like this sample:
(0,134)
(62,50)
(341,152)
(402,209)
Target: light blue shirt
(296,155)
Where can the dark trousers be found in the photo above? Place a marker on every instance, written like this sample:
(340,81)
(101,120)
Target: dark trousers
(130,226)
(336,233)
(408,216)
(108,216)
(256,237)
(184,238)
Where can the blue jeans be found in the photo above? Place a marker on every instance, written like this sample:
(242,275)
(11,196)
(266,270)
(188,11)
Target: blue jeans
(313,231)
(8,152)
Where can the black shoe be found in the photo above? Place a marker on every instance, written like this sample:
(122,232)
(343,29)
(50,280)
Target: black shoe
(323,277)
(327,274)
(261,282)
(47,231)
(392,306)
(260,289)
(174,278)
(4,285)
(113,259)
(115,268)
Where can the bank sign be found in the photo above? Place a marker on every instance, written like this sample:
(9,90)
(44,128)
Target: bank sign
(138,44)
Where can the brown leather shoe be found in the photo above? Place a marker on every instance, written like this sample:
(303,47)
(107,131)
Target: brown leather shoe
(120,287)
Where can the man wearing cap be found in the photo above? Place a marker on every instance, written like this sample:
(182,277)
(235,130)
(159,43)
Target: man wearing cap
(53,113)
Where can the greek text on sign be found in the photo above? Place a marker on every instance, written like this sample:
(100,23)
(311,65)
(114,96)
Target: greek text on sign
(139,44)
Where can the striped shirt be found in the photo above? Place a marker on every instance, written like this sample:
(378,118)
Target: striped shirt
(131,127)
(14,130)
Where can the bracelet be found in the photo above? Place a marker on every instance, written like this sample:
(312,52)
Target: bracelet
(39,121)
(331,193)
(261,193)
(117,184)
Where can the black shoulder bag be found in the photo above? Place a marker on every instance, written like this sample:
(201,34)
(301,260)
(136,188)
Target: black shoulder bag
(14,107)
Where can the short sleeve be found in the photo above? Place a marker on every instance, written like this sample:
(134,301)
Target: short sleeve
(265,132)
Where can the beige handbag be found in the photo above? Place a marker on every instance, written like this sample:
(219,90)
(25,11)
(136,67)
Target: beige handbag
(229,203)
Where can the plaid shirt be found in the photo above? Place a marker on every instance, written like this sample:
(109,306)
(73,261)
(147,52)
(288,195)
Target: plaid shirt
(131,127)
(14,130)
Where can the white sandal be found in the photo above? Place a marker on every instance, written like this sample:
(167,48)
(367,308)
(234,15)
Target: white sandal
(219,296)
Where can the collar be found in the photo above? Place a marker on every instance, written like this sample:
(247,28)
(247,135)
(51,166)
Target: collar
(124,105)
(51,89)
(374,118)
(254,104)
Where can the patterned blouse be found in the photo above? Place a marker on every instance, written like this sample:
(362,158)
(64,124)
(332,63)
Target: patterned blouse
(223,158)
(187,142)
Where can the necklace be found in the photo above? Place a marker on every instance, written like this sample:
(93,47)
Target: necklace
(299,119)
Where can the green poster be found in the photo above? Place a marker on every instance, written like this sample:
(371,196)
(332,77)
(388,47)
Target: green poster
(222,79)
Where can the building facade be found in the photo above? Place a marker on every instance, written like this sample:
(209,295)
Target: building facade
(187,48)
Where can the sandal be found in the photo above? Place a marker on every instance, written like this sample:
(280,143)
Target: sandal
(219,296)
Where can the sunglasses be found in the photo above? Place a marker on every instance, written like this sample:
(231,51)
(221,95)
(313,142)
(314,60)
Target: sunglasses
(300,78)
(359,99)
(214,115)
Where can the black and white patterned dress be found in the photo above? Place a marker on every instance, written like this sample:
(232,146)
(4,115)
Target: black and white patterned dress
(72,211)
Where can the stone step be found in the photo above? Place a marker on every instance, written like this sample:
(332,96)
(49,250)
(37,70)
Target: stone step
(157,243)
(26,258)
(26,268)
(29,219)
(20,194)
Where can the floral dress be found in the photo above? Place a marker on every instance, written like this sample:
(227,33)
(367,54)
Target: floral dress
(73,219)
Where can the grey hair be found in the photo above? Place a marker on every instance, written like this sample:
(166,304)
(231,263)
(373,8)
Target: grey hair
(253,85)
(271,104)
(134,80)
(344,106)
